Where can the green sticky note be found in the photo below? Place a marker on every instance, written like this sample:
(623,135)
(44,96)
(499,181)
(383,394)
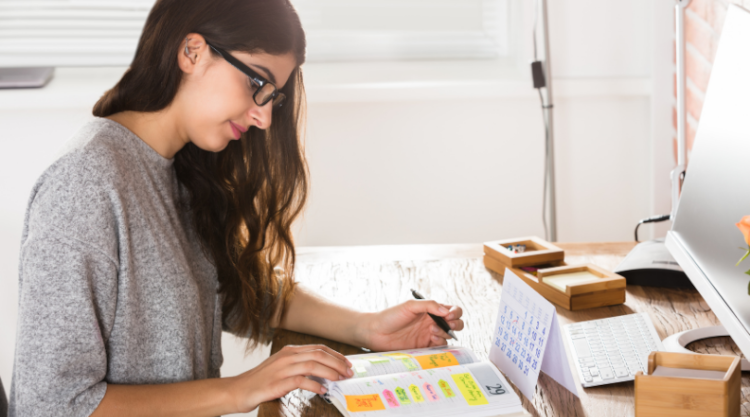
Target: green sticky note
(403,398)
(409,364)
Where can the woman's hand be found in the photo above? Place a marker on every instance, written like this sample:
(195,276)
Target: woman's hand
(286,371)
(408,325)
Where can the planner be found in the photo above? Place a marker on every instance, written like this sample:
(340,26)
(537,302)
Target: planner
(435,382)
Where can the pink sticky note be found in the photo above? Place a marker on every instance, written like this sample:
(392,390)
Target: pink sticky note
(390,398)
(431,394)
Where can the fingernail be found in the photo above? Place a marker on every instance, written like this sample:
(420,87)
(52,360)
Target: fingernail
(350,372)
(435,339)
(443,310)
(452,325)
(341,378)
(349,363)
(323,390)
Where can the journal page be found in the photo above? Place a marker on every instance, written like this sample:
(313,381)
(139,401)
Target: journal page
(374,364)
(476,389)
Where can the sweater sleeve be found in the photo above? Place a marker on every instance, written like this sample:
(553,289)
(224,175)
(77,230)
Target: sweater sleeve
(67,302)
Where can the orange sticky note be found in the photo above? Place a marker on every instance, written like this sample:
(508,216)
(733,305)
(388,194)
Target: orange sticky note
(438,360)
(370,402)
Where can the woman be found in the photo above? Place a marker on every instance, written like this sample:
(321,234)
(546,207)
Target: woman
(170,220)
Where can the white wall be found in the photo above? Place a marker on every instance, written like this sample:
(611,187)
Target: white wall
(431,165)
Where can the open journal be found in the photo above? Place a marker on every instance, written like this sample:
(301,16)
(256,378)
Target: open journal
(438,381)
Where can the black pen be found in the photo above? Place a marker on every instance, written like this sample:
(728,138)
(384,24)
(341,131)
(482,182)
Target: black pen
(438,320)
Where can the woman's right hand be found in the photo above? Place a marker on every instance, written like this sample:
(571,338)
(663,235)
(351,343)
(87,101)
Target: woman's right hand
(285,371)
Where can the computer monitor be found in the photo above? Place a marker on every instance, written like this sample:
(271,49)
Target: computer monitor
(716,193)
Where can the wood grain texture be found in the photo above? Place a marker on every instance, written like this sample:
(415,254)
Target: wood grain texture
(376,277)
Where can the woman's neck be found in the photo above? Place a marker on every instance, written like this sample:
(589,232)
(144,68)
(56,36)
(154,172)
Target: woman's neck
(159,130)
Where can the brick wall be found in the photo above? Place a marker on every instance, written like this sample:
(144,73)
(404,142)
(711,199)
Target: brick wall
(703,22)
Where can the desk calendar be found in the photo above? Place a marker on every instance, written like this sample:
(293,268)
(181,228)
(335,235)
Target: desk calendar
(526,338)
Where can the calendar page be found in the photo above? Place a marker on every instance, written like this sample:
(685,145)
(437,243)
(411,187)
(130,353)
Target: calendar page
(527,339)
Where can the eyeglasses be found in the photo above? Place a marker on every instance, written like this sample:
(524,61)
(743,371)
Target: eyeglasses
(266,90)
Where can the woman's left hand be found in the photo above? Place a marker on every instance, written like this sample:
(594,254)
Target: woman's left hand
(408,325)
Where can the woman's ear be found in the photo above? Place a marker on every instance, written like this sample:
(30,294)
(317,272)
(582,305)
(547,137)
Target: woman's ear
(192,51)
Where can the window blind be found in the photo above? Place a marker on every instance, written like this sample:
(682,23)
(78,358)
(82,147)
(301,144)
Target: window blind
(106,32)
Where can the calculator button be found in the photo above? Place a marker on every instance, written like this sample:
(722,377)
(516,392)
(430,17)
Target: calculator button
(607,373)
(621,372)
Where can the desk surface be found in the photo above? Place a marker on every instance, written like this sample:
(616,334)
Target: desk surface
(376,277)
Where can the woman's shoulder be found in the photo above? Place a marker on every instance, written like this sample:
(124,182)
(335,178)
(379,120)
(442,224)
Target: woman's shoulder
(76,192)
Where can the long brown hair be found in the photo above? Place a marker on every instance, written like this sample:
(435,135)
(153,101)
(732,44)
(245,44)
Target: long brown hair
(243,199)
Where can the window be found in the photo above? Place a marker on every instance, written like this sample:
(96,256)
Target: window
(347,30)
(105,32)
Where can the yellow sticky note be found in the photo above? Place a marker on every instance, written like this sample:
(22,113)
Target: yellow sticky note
(397,355)
(416,393)
(370,402)
(563,281)
(469,389)
(437,360)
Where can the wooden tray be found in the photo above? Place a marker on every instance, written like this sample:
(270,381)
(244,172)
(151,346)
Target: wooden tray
(678,396)
(538,251)
(610,290)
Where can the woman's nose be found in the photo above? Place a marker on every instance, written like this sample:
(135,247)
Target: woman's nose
(261,116)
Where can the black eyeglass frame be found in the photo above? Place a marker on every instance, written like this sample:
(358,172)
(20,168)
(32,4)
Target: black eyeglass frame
(255,77)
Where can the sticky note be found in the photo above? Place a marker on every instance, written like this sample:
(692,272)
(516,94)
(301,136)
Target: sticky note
(370,402)
(438,360)
(446,388)
(397,355)
(430,392)
(390,398)
(410,365)
(416,393)
(402,397)
(563,281)
(469,389)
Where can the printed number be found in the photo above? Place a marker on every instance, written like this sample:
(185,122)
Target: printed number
(544,331)
(517,347)
(523,353)
(499,331)
(537,325)
(508,353)
(528,358)
(505,337)
(533,364)
(520,365)
(502,319)
(533,335)
(495,389)
(515,359)
(526,370)
(502,348)
(526,341)
(538,353)
(497,341)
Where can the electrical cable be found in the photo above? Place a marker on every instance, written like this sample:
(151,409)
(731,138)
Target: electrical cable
(652,219)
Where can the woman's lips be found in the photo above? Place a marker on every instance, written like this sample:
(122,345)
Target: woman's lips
(237,130)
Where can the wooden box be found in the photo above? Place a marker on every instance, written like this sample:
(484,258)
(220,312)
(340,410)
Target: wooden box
(538,251)
(668,391)
(607,290)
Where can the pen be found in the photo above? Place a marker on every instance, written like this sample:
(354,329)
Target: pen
(438,320)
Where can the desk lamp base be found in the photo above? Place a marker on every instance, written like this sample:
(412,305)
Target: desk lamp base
(651,265)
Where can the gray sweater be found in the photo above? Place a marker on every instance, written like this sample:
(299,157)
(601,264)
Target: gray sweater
(114,287)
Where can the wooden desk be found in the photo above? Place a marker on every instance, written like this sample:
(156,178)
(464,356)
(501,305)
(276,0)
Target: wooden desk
(376,277)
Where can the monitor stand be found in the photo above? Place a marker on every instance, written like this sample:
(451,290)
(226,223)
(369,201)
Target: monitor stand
(651,265)
(677,342)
